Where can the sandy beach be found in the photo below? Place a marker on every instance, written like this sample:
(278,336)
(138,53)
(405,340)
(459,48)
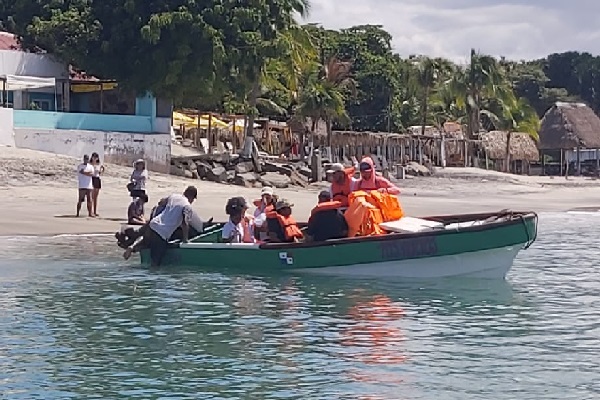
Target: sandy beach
(38,194)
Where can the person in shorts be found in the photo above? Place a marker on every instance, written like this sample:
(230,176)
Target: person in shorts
(96,181)
(85,171)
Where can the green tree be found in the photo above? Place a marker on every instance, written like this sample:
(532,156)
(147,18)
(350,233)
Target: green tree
(480,79)
(323,94)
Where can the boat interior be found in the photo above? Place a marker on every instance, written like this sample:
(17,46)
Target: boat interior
(406,227)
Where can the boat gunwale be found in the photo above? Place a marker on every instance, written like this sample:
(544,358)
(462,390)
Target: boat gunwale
(518,218)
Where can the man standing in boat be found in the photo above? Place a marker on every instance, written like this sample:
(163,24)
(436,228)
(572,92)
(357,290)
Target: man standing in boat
(177,213)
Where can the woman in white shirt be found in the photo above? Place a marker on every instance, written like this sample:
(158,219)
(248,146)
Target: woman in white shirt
(96,181)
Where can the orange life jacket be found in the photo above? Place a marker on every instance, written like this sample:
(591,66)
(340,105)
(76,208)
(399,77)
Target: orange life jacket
(340,192)
(327,205)
(363,218)
(288,224)
(387,203)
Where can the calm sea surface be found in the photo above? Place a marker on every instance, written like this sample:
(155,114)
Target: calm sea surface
(78,323)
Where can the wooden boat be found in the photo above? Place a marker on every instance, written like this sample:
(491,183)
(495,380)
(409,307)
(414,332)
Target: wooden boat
(477,245)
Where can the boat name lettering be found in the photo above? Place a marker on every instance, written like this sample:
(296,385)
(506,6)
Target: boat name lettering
(408,248)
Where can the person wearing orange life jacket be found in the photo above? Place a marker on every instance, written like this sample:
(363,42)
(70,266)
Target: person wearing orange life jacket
(283,228)
(239,228)
(342,180)
(369,180)
(326,220)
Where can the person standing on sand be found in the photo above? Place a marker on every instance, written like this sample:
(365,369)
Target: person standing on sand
(85,171)
(139,176)
(96,181)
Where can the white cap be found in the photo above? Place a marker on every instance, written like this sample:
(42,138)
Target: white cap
(267,190)
(335,167)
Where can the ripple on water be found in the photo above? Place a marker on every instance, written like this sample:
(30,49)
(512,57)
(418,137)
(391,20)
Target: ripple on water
(76,326)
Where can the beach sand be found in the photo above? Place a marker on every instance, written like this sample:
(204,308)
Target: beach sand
(38,194)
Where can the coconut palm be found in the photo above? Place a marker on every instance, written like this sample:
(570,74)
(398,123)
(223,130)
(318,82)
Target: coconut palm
(481,79)
(291,40)
(429,72)
(324,93)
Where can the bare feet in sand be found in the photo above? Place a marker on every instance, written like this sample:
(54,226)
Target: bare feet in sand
(128,253)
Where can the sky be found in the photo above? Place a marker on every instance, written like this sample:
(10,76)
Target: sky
(515,29)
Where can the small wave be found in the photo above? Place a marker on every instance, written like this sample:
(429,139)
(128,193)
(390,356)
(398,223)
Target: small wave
(83,235)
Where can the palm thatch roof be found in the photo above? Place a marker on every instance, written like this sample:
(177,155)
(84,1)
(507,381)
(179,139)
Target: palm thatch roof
(522,146)
(568,125)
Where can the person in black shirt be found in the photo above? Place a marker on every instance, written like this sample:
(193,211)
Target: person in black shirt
(326,220)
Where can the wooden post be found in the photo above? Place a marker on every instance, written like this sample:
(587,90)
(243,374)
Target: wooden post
(562,163)
(101,98)
(578,160)
(211,142)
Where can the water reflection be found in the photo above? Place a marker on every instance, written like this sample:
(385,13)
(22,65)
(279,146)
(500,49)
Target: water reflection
(92,327)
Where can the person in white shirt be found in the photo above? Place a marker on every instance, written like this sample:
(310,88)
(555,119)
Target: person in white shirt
(85,171)
(177,213)
(267,198)
(240,227)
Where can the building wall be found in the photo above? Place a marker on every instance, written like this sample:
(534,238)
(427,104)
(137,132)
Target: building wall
(6,127)
(114,147)
(82,121)
(14,62)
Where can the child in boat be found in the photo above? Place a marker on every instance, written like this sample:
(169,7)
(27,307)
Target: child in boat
(239,228)
(282,226)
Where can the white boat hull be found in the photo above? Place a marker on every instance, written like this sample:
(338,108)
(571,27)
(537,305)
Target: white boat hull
(490,264)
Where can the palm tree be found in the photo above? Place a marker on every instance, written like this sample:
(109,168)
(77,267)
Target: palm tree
(518,116)
(323,94)
(291,48)
(429,72)
(482,78)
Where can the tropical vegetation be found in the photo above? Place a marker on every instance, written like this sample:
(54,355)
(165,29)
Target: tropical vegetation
(256,58)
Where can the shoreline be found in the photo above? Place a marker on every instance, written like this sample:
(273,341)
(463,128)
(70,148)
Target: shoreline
(42,204)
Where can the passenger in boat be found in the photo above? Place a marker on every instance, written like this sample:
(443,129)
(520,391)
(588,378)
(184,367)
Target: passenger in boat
(369,180)
(177,213)
(283,228)
(342,180)
(239,228)
(265,204)
(326,220)
(135,212)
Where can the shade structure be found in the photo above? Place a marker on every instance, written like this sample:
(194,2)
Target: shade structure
(181,119)
(239,123)
(214,122)
(192,122)
(16,82)
(93,87)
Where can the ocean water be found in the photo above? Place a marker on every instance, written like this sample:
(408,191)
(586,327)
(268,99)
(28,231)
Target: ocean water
(78,323)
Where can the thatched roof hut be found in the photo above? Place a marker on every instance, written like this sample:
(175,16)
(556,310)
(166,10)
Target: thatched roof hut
(569,125)
(522,146)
